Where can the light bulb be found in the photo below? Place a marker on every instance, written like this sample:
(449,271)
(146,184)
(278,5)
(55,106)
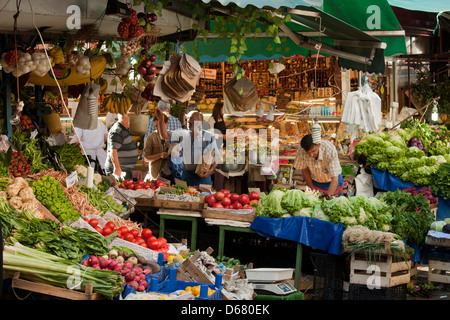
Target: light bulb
(434,113)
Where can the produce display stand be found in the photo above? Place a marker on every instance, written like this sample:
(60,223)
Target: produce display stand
(88,294)
(392,268)
(180,215)
(298,255)
(439,257)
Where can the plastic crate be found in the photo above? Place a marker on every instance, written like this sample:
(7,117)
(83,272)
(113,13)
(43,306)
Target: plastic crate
(441,254)
(328,276)
(171,285)
(363,292)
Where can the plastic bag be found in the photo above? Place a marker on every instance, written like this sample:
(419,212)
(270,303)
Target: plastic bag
(364,184)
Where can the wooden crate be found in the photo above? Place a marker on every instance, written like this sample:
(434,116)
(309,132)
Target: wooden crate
(170,204)
(438,271)
(88,294)
(188,271)
(228,214)
(391,272)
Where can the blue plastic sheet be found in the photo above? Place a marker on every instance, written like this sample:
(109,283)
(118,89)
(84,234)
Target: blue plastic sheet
(323,235)
(386,181)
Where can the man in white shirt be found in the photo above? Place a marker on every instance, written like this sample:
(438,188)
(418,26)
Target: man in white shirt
(93,142)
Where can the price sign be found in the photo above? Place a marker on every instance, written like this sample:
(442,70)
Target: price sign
(209,74)
(71,179)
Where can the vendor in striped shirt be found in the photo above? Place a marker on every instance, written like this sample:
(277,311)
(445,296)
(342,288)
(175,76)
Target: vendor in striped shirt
(320,166)
(122,153)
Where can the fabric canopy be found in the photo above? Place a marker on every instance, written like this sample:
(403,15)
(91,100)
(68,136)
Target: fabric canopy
(359,34)
(420,5)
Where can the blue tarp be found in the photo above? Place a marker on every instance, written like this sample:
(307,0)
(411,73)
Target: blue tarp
(386,181)
(315,233)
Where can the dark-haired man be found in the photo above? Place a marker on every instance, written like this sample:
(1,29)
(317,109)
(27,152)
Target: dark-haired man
(320,165)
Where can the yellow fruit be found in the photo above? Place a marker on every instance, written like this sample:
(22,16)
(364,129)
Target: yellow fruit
(196,291)
(188,289)
(170,259)
(210,292)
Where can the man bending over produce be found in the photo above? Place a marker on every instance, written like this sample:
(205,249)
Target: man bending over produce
(320,166)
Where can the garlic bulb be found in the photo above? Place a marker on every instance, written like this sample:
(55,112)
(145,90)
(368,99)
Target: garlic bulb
(42,64)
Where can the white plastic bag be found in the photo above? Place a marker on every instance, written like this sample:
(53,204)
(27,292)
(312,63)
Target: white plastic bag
(364,184)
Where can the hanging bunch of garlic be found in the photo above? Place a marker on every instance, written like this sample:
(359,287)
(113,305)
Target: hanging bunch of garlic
(129,48)
(83,66)
(24,65)
(42,64)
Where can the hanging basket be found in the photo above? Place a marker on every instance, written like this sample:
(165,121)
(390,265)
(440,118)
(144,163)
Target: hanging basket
(53,122)
(138,124)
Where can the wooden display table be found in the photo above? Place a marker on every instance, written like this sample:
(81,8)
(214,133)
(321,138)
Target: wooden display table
(181,215)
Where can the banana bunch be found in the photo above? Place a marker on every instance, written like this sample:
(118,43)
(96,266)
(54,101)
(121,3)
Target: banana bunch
(58,56)
(117,103)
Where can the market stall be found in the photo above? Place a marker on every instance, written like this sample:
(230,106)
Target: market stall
(60,216)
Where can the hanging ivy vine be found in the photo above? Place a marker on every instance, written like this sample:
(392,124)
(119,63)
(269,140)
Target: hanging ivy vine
(238,25)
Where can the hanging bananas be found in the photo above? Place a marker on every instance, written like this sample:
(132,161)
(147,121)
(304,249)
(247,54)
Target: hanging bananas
(117,103)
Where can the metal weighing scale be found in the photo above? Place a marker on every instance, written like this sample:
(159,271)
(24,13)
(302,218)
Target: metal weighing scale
(271,281)
(277,288)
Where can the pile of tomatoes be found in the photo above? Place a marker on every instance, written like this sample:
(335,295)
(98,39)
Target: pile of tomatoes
(141,184)
(225,200)
(145,238)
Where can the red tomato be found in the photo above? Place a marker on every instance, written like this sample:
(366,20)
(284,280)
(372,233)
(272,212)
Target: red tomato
(234,197)
(163,241)
(152,237)
(106,231)
(87,220)
(129,237)
(110,225)
(139,240)
(244,199)
(131,186)
(237,205)
(134,232)
(98,229)
(225,201)
(93,222)
(153,244)
(119,234)
(254,196)
(123,230)
(146,233)
(219,196)
(143,244)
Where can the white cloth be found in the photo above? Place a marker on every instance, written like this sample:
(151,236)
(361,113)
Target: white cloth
(93,141)
(362,110)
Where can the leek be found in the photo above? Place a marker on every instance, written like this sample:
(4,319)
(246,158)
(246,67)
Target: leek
(49,269)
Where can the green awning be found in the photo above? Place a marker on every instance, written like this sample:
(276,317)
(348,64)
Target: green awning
(349,28)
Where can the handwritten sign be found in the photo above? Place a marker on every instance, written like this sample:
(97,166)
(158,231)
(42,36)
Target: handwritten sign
(209,74)
(71,179)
